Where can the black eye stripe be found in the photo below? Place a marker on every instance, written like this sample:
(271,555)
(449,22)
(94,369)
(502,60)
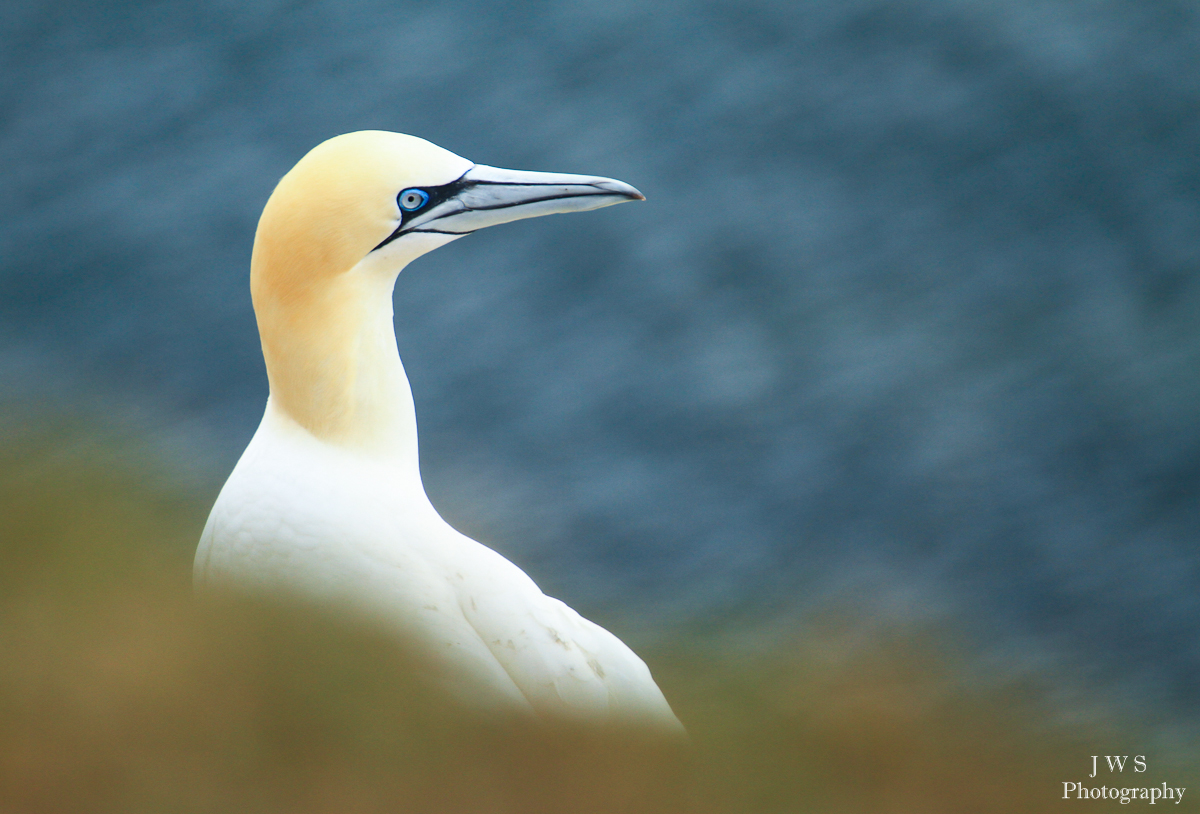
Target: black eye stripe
(437,195)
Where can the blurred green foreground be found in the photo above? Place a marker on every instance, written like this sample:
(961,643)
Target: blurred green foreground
(121,693)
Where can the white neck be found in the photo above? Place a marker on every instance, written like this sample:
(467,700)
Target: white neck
(334,368)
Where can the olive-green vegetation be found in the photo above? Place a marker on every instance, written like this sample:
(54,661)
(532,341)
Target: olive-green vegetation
(119,692)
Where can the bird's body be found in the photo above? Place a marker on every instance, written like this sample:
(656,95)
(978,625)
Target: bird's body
(327,499)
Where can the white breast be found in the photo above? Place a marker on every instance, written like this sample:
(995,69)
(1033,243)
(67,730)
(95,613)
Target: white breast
(305,515)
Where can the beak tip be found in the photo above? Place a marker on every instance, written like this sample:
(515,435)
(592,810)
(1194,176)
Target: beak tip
(621,188)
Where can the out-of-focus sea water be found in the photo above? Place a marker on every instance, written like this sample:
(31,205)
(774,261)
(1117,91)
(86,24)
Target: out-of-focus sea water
(905,336)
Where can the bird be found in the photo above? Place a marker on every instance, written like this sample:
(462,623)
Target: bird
(327,499)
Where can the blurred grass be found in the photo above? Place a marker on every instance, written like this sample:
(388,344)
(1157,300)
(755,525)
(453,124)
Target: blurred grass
(120,693)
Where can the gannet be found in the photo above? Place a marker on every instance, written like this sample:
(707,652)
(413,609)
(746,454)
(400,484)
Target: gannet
(327,498)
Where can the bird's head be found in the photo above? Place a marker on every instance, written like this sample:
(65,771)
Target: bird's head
(387,198)
(333,236)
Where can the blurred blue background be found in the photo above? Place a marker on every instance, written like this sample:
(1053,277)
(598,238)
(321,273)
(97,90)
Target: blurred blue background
(909,324)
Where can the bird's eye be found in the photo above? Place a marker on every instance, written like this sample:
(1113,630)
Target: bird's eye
(411,200)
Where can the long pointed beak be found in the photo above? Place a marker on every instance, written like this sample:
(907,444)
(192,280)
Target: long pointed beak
(487,196)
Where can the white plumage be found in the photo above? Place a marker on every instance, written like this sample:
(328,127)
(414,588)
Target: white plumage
(327,499)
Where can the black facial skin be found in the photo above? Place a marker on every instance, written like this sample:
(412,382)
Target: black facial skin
(436,195)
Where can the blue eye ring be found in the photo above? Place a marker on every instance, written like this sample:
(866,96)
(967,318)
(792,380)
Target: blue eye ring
(410,200)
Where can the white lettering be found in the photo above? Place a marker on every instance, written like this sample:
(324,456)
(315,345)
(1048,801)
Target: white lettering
(1117,763)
